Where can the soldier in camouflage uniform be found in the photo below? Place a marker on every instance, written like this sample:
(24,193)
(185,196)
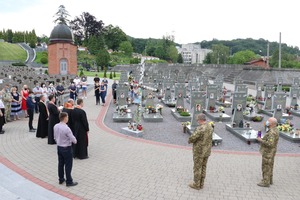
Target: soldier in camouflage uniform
(202,142)
(7,99)
(268,150)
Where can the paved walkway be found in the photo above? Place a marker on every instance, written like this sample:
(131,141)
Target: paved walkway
(122,167)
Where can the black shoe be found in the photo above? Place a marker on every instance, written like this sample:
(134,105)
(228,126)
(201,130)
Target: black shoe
(72,184)
(31,130)
(61,182)
(2,132)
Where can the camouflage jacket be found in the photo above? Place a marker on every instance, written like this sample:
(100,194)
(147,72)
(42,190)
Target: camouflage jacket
(202,140)
(269,143)
(6,97)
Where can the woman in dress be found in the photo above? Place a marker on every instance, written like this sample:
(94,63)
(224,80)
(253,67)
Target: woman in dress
(16,103)
(24,95)
(53,118)
(42,127)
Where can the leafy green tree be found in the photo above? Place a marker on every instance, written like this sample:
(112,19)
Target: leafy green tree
(110,75)
(287,60)
(126,47)
(242,57)
(62,15)
(180,58)
(219,54)
(172,53)
(102,59)
(115,74)
(10,35)
(84,26)
(95,43)
(114,36)
(160,52)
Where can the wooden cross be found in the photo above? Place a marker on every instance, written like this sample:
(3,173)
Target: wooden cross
(63,49)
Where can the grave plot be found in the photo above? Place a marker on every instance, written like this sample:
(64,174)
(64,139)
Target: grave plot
(211,111)
(122,113)
(180,113)
(238,127)
(152,112)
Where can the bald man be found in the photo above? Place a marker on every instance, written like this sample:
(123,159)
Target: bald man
(268,150)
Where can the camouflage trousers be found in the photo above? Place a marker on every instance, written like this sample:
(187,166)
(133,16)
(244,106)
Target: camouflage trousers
(200,170)
(267,169)
(7,111)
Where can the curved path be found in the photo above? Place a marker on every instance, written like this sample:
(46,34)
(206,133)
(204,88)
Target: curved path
(122,167)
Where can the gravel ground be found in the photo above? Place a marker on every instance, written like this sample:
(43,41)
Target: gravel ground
(170,131)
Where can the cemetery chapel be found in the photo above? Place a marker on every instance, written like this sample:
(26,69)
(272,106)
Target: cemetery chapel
(62,52)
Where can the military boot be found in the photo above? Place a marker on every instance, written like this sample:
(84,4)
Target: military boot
(194,186)
(262,184)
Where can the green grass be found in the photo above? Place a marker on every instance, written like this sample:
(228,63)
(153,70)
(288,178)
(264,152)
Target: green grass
(100,74)
(38,57)
(10,51)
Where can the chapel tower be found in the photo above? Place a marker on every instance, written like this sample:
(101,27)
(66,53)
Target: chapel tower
(62,52)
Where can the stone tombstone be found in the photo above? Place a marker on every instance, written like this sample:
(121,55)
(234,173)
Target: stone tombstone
(167,93)
(149,98)
(269,92)
(278,104)
(181,79)
(197,109)
(180,89)
(238,116)
(203,80)
(219,84)
(212,96)
(259,88)
(159,83)
(193,86)
(294,94)
(279,100)
(279,84)
(180,94)
(168,83)
(239,98)
(237,81)
(242,88)
(198,97)
(122,94)
(296,81)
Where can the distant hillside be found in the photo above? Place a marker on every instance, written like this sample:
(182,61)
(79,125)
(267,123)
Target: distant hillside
(10,51)
(257,46)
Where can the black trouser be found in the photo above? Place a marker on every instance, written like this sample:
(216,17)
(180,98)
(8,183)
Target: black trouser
(30,115)
(97,98)
(36,105)
(65,163)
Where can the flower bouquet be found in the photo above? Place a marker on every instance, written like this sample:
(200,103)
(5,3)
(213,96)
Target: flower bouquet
(159,108)
(212,124)
(221,109)
(184,125)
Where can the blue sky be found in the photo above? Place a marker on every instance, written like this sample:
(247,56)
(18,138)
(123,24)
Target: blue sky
(189,20)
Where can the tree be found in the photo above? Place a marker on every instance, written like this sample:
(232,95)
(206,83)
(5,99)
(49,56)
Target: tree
(180,58)
(84,26)
(172,53)
(110,75)
(61,15)
(102,59)
(219,54)
(10,35)
(287,60)
(242,57)
(126,47)
(95,43)
(114,36)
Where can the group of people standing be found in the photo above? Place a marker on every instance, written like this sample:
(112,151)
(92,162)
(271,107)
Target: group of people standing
(100,89)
